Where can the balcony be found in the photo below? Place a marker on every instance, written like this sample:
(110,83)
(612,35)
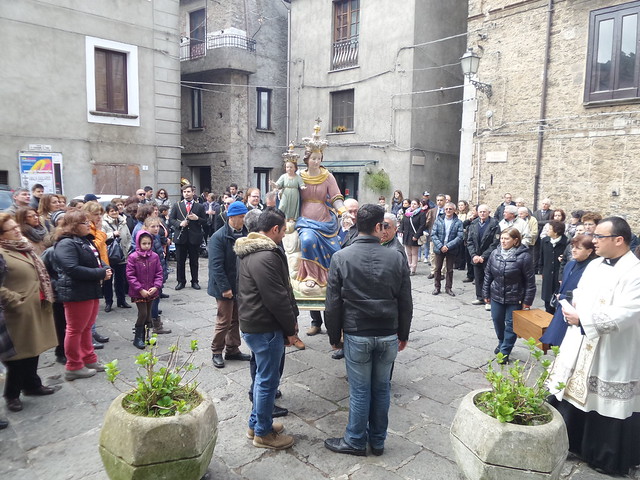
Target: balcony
(219,52)
(345,54)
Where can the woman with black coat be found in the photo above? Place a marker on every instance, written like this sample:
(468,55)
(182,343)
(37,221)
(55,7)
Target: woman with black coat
(509,285)
(414,222)
(80,274)
(551,250)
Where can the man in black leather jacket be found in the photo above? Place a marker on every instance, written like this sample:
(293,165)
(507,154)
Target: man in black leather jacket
(369,299)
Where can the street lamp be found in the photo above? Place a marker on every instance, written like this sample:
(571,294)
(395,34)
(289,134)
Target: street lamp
(469,63)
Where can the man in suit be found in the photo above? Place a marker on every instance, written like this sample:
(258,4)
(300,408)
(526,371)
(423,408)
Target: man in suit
(543,216)
(482,239)
(187,218)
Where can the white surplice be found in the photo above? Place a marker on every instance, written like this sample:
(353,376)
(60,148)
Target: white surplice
(601,369)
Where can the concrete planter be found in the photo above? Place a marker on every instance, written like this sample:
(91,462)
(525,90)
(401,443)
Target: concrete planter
(140,448)
(486,449)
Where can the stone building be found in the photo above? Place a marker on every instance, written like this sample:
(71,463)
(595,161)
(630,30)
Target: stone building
(92,87)
(385,80)
(234,70)
(563,125)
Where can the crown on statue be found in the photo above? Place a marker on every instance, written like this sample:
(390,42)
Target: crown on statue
(290,155)
(315,143)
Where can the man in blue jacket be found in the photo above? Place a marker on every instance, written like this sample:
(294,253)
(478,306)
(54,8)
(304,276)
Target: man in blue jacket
(447,240)
(223,284)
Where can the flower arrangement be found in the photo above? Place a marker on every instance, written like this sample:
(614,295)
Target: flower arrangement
(513,397)
(341,129)
(164,391)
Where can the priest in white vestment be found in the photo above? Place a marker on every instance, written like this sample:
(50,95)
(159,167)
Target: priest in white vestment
(599,359)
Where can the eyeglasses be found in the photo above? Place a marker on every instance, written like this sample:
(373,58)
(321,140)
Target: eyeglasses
(140,194)
(384,225)
(85,223)
(596,236)
(449,208)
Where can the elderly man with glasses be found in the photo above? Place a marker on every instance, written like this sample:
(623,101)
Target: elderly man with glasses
(447,237)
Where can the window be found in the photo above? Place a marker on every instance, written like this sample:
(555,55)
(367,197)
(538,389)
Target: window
(346,28)
(342,111)
(264,109)
(261,178)
(612,61)
(196,107)
(112,82)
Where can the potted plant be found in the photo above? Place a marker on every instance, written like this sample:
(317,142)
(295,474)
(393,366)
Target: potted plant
(340,129)
(378,181)
(163,427)
(510,431)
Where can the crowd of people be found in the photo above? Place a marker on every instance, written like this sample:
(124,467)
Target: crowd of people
(58,258)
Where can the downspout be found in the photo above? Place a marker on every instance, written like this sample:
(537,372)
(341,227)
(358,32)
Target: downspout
(543,107)
(288,111)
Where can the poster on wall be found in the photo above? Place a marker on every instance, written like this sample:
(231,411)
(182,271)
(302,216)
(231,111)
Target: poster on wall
(42,168)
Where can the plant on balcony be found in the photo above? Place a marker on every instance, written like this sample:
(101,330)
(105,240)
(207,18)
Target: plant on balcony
(378,181)
(340,129)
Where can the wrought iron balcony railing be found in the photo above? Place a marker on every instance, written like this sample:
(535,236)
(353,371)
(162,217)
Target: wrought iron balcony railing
(345,54)
(193,48)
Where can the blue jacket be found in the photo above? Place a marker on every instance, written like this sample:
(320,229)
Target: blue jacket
(453,242)
(223,262)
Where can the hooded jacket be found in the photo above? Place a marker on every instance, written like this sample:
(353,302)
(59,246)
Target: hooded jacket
(80,273)
(223,269)
(144,269)
(265,297)
(510,280)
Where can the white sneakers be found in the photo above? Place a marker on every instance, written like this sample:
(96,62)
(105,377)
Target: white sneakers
(84,372)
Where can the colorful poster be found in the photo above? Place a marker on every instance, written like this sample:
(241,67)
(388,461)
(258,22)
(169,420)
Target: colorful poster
(40,168)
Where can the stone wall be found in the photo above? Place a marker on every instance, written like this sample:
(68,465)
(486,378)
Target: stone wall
(587,152)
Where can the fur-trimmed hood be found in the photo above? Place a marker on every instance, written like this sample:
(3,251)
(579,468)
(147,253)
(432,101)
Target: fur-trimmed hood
(252,243)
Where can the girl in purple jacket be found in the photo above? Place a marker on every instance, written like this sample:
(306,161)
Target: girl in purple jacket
(144,274)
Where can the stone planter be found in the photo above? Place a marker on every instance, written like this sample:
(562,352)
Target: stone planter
(486,449)
(139,448)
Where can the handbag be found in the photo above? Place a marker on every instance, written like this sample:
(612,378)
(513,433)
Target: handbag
(115,253)
(422,240)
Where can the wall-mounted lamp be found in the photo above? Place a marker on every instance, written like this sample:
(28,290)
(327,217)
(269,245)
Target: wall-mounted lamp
(469,63)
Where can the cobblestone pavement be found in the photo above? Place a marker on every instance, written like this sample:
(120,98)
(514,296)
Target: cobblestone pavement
(56,437)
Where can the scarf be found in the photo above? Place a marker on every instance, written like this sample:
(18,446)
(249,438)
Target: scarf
(315,179)
(34,234)
(23,246)
(508,254)
(412,213)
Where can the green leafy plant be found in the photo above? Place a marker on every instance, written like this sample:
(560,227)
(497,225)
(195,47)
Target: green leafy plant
(164,391)
(518,394)
(378,181)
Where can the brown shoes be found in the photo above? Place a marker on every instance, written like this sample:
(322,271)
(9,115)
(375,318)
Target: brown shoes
(299,344)
(276,427)
(448,291)
(274,441)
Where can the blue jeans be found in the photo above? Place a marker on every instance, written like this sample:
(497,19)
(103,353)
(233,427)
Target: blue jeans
(502,316)
(369,361)
(268,349)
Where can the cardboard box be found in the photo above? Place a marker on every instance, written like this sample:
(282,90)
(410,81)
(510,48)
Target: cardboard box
(532,323)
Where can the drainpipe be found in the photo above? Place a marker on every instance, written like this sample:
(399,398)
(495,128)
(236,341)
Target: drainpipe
(288,111)
(543,107)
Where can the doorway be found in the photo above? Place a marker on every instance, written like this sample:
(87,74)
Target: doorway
(348,183)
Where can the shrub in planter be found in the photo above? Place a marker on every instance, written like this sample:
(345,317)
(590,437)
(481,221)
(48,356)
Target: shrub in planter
(509,431)
(163,427)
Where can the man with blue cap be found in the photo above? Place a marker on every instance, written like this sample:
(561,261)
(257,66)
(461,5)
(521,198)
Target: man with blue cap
(223,274)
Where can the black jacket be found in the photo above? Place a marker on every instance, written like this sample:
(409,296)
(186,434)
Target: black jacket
(265,297)
(413,227)
(192,233)
(549,266)
(510,281)
(79,274)
(368,291)
(223,262)
(489,241)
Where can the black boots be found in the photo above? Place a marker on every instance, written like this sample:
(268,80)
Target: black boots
(138,340)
